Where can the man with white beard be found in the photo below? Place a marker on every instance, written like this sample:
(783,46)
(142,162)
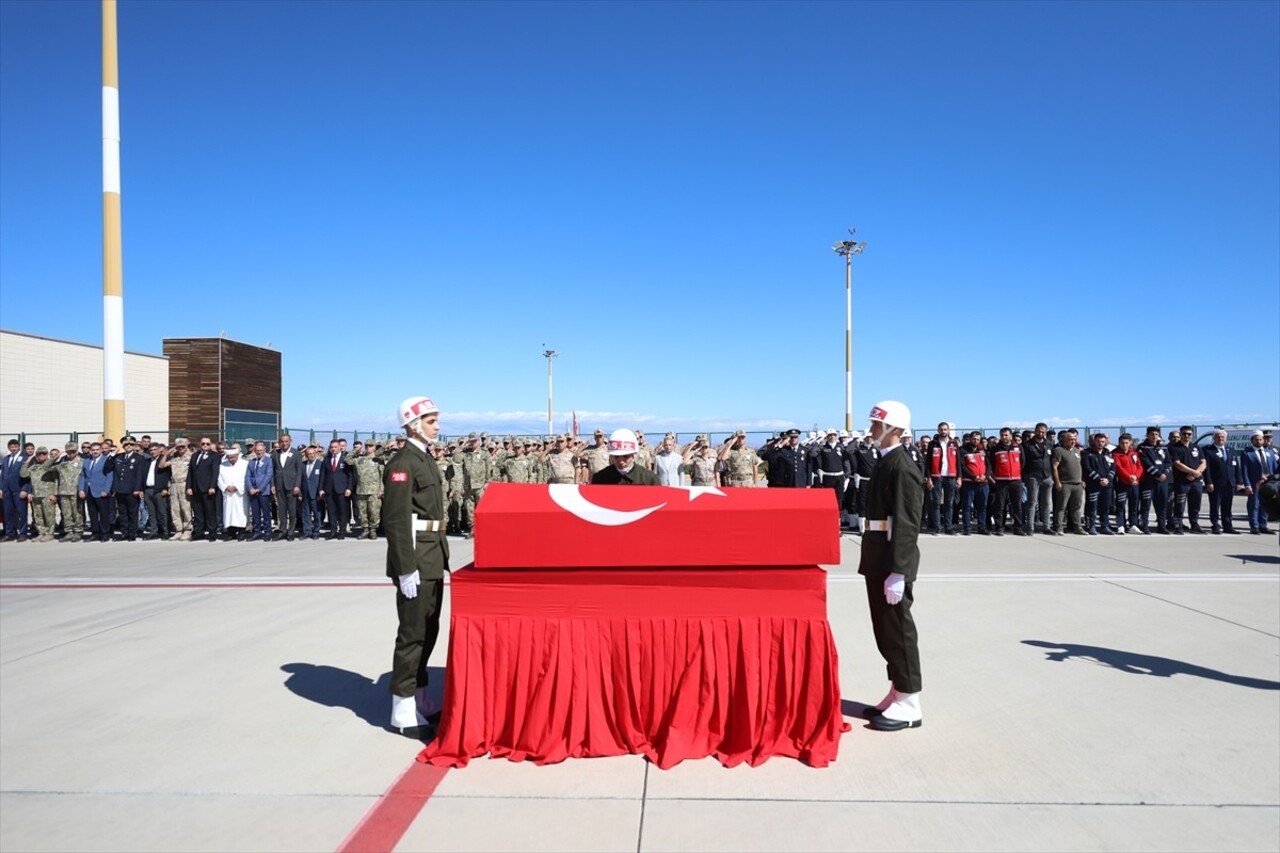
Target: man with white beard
(235,500)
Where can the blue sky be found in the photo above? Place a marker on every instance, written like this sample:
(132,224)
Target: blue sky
(1072,209)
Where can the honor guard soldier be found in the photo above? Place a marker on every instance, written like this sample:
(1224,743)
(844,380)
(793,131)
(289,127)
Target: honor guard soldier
(624,471)
(829,468)
(890,559)
(413,522)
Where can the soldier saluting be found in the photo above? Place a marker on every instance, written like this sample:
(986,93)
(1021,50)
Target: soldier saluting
(890,558)
(413,521)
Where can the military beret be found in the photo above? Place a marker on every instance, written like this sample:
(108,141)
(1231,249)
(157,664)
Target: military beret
(42,449)
(71,445)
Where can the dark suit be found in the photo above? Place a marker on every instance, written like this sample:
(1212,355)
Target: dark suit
(15,509)
(287,477)
(335,480)
(131,469)
(201,477)
(1220,472)
(895,498)
(156,499)
(310,482)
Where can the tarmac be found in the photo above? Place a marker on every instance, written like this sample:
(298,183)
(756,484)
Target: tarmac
(1081,693)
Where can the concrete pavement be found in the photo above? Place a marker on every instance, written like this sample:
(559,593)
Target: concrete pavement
(1081,693)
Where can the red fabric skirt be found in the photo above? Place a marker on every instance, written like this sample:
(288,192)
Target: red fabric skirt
(667,663)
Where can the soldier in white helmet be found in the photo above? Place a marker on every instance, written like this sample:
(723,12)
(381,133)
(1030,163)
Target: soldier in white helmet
(413,520)
(623,469)
(890,558)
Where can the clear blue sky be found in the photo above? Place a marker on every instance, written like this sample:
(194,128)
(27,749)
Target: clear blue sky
(1072,209)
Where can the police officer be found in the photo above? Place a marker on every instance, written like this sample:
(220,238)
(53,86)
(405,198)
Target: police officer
(1154,484)
(787,466)
(829,468)
(1099,485)
(413,521)
(890,559)
(1188,479)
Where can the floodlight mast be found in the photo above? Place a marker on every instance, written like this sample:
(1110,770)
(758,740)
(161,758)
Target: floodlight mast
(848,248)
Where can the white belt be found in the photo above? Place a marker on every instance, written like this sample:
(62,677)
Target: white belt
(830,473)
(881,525)
(427,525)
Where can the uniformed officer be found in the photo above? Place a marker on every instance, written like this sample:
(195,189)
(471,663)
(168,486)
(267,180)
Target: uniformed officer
(890,559)
(624,471)
(1154,484)
(44,492)
(518,467)
(413,522)
(1188,480)
(558,461)
(68,470)
(740,467)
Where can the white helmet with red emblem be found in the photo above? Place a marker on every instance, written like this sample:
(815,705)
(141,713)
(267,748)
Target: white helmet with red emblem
(413,408)
(622,442)
(891,413)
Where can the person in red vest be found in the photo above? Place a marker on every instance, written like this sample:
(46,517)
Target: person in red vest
(1005,465)
(973,482)
(940,481)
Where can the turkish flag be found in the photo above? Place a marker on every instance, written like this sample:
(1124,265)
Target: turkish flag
(568,526)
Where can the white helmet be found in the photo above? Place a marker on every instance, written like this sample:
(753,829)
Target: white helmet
(412,408)
(891,413)
(622,442)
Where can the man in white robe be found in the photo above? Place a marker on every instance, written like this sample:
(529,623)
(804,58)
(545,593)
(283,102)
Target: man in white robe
(235,500)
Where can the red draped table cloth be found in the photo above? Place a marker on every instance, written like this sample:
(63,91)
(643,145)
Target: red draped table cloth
(676,663)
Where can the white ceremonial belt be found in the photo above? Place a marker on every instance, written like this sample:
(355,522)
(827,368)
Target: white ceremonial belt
(831,473)
(884,525)
(427,525)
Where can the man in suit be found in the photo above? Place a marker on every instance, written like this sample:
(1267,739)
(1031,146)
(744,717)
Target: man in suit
(11,490)
(258,482)
(310,493)
(155,494)
(335,489)
(202,489)
(127,486)
(286,464)
(1256,464)
(890,559)
(96,481)
(1220,482)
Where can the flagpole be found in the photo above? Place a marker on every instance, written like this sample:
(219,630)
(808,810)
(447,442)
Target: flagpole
(112,265)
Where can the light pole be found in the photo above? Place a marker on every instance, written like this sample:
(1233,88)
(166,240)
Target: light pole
(848,248)
(549,354)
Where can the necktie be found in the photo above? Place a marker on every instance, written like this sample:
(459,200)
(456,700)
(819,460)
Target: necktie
(335,463)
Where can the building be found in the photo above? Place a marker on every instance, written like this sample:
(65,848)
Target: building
(222,387)
(51,389)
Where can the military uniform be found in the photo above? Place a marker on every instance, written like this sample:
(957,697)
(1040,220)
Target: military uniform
(68,470)
(413,522)
(702,469)
(637,476)
(739,467)
(476,474)
(560,467)
(595,459)
(368,492)
(895,504)
(43,491)
(518,468)
(179,504)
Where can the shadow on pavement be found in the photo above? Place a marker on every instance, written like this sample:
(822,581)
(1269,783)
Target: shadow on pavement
(1145,664)
(340,688)
(1254,558)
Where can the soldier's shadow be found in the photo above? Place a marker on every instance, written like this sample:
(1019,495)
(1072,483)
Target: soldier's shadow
(369,699)
(1139,664)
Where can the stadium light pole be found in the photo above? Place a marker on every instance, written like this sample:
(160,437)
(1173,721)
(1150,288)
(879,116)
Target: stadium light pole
(549,354)
(113,419)
(848,248)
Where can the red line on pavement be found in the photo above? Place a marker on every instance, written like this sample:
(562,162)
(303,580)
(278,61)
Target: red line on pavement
(387,820)
(159,585)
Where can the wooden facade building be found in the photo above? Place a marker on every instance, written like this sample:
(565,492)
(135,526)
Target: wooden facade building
(223,388)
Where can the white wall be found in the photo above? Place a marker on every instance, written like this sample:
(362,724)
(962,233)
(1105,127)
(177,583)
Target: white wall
(50,387)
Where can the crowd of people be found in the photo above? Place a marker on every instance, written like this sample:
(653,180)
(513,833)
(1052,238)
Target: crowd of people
(1019,482)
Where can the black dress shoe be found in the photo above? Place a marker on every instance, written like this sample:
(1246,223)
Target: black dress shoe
(882,723)
(871,712)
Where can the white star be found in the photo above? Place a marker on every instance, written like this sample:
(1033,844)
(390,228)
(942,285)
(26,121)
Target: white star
(698,491)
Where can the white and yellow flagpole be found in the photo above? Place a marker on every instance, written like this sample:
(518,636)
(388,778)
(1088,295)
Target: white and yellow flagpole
(112,265)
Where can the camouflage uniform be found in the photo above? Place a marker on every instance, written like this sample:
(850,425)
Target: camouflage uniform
(596,458)
(644,456)
(559,467)
(518,468)
(702,469)
(179,504)
(68,471)
(368,492)
(477,471)
(739,467)
(44,492)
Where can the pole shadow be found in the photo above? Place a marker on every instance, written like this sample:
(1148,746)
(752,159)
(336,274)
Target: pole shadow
(1137,664)
(370,700)
(1255,558)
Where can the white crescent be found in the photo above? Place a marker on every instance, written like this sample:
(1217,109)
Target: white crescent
(569,499)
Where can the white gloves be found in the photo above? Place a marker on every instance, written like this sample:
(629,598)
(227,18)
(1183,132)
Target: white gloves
(409,584)
(894,586)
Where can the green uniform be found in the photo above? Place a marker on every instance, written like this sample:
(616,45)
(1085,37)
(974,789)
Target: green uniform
(476,474)
(368,492)
(739,467)
(895,501)
(637,476)
(413,498)
(44,494)
(68,471)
